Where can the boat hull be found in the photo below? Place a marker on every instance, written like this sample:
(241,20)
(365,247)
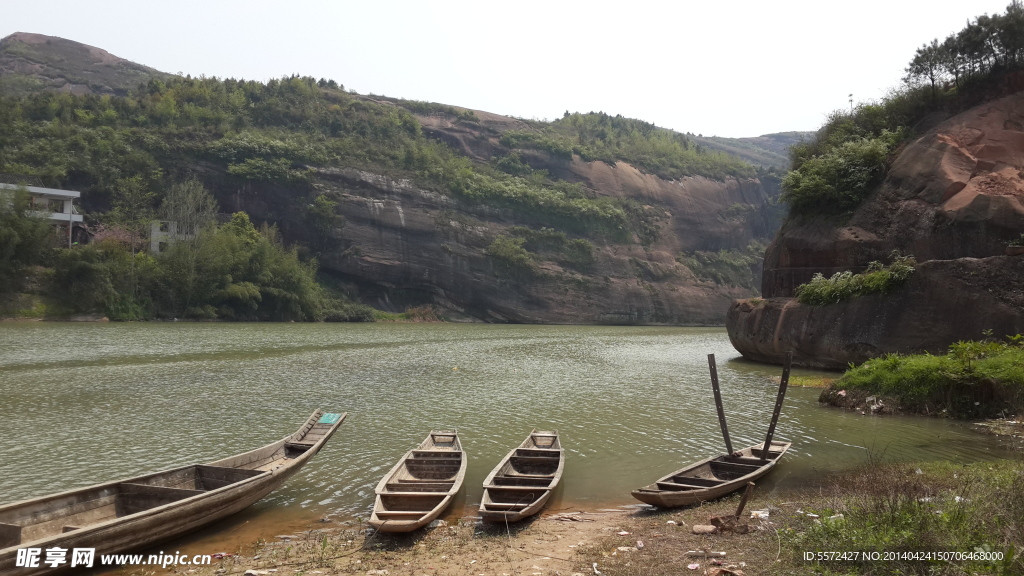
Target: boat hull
(669,491)
(421,485)
(522,483)
(126,530)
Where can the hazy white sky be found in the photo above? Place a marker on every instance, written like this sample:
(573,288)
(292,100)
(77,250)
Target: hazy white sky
(740,68)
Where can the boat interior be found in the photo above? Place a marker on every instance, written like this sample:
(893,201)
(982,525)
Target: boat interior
(274,456)
(423,480)
(72,511)
(526,475)
(722,469)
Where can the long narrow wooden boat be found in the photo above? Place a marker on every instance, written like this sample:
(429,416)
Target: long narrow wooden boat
(523,481)
(138,512)
(713,477)
(421,485)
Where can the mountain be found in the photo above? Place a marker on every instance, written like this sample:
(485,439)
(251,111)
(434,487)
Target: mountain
(33,62)
(769,150)
(591,218)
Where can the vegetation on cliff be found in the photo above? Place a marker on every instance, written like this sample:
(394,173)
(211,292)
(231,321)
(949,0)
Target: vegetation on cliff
(974,379)
(846,160)
(287,150)
(599,136)
(727,267)
(877,279)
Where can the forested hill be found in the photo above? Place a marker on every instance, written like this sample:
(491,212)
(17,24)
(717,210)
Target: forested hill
(589,218)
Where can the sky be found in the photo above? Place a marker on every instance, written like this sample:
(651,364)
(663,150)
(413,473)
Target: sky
(735,69)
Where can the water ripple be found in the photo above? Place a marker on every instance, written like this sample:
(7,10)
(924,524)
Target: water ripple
(89,403)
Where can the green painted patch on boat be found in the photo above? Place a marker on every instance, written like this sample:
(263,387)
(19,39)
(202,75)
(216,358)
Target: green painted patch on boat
(329,418)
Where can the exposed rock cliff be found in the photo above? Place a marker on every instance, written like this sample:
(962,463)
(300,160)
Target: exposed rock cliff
(32,62)
(403,246)
(953,198)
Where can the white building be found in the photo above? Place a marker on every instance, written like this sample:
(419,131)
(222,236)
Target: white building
(57,205)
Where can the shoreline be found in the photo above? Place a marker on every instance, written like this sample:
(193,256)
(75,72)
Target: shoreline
(782,527)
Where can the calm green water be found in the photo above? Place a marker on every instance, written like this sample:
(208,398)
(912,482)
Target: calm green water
(86,403)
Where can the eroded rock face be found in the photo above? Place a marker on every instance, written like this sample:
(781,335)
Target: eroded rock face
(405,246)
(943,302)
(953,198)
(402,245)
(955,192)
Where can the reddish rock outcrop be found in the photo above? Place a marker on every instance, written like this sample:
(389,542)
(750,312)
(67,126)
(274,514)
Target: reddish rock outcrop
(943,301)
(955,192)
(953,198)
(405,245)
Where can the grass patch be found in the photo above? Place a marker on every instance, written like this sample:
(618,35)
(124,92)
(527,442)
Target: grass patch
(888,509)
(895,510)
(877,279)
(424,313)
(973,380)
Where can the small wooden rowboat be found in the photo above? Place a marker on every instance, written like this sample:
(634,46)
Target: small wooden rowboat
(720,475)
(421,485)
(712,478)
(522,483)
(138,512)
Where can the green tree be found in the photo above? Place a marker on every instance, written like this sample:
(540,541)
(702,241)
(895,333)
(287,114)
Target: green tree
(192,210)
(927,64)
(24,237)
(133,210)
(325,224)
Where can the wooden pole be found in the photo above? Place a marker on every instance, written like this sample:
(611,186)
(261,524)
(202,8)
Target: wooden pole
(743,501)
(718,402)
(778,406)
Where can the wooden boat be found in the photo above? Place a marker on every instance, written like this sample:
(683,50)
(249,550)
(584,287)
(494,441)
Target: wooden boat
(713,477)
(720,475)
(421,485)
(139,512)
(523,481)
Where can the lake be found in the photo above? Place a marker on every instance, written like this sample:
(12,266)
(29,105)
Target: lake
(87,403)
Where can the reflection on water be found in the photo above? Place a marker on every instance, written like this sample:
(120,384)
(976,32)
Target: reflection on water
(89,403)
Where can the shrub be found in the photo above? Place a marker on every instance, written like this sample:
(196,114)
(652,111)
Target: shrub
(510,252)
(845,285)
(840,178)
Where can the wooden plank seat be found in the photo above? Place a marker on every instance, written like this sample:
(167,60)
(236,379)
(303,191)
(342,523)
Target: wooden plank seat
(528,452)
(743,460)
(504,487)
(399,514)
(729,467)
(696,481)
(134,498)
(664,485)
(505,506)
(414,494)
(436,454)
(419,487)
(521,481)
(433,462)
